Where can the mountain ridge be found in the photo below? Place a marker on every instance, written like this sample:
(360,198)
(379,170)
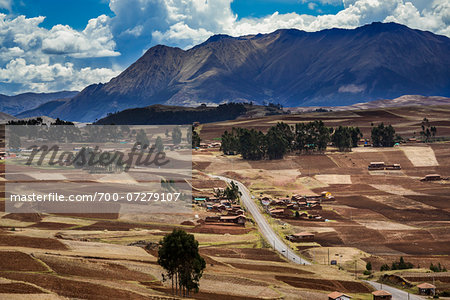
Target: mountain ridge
(292,67)
(19,103)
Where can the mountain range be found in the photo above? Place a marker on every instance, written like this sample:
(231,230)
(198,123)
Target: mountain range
(331,67)
(17,104)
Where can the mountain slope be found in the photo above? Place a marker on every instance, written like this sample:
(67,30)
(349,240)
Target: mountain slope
(16,104)
(43,110)
(291,67)
(4,118)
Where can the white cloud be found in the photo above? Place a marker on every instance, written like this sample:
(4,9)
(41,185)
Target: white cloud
(352,88)
(6,4)
(95,40)
(33,58)
(27,47)
(312,5)
(54,77)
(184,23)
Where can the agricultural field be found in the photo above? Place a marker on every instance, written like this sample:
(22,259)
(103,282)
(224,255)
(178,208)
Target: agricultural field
(376,216)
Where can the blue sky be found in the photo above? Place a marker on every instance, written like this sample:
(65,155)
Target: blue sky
(78,13)
(75,13)
(50,45)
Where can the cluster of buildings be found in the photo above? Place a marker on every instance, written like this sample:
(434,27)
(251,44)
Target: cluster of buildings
(213,145)
(425,289)
(380,165)
(226,211)
(291,207)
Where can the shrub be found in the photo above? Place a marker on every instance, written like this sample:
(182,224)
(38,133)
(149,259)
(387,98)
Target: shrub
(385,267)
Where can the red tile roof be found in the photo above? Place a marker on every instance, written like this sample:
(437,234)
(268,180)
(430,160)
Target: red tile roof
(426,286)
(381,293)
(335,295)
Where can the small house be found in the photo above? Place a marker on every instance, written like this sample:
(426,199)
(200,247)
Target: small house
(393,167)
(218,207)
(301,237)
(431,177)
(381,295)
(297,198)
(234,219)
(302,204)
(427,289)
(214,199)
(212,219)
(376,165)
(338,296)
(281,213)
(285,200)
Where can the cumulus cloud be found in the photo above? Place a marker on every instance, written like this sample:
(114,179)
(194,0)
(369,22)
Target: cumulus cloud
(51,77)
(184,23)
(37,59)
(95,40)
(175,22)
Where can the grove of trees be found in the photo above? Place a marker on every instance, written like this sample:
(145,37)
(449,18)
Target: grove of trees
(383,136)
(344,138)
(282,138)
(428,131)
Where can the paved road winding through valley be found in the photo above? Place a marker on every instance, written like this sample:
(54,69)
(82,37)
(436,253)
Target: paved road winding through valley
(263,225)
(397,294)
(281,247)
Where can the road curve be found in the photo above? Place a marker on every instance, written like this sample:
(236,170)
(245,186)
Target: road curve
(263,225)
(397,294)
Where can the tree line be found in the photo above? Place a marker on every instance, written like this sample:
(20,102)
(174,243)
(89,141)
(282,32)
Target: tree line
(282,138)
(169,115)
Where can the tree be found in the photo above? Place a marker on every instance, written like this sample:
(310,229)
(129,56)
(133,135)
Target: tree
(385,267)
(230,142)
(278,139)
(428,131)
(383,136)
(312,136)
(433,131)
(195,139)
(369,266)
(159,146)
(356,135)
(252,144)
(437,268)
(401,264)
(142,139)
(342,138)
(176,135)
(232,192)
(178,255)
